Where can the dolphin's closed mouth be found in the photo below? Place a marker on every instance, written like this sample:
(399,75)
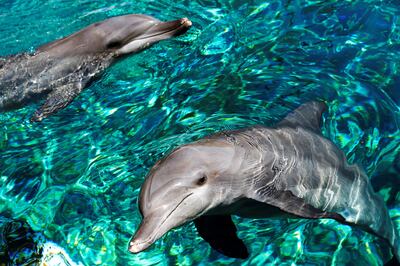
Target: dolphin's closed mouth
(158,32)
(136,246)
(184,24)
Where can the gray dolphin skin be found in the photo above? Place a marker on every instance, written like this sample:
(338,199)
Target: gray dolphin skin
(60,70)
(288,170)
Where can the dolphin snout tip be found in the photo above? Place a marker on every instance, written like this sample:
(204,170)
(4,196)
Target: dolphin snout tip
(186,22)
(136,246)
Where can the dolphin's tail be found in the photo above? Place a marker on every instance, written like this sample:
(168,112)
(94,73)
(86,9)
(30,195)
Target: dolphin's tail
(384,226)
(367,209)
(379,222)
(387,228)
(396,243)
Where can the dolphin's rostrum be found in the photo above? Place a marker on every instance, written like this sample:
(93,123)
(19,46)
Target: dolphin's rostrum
(60,70)
(289,169)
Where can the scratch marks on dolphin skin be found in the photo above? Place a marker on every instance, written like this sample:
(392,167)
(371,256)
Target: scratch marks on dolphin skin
(299,165)
(60,70)
(284,169)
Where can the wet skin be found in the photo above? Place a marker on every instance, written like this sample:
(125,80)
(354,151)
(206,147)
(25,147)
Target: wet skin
(60,70)
(289,169)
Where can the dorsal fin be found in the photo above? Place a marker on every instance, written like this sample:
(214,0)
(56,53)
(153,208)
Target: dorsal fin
(307,116)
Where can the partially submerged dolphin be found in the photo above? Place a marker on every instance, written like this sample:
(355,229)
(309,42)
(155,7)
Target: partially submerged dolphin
(60,70)
(289,169)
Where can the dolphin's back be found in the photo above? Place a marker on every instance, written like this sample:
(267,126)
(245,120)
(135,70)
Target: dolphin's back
(305,174)
(316,171)
(28,78)
(16,73)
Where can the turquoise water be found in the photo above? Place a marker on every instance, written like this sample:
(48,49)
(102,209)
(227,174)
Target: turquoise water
(75,177)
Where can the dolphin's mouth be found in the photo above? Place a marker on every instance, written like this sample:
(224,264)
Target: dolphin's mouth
(176,207)
(158,32)
(176,27)
(170,28)
(136,245)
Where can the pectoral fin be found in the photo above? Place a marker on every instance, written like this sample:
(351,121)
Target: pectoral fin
(220,232)
(57,100)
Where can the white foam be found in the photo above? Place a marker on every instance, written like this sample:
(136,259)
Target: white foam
(54,255)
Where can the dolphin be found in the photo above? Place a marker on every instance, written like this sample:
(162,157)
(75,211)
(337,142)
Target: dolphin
(60,70)
(288,170)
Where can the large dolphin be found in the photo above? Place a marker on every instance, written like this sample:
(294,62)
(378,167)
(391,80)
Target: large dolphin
(289,169)
(60,70)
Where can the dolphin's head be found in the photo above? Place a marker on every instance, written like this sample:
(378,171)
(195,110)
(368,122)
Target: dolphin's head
(118,35)
(189,182)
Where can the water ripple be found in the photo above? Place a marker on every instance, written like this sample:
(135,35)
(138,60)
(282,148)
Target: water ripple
(76,176)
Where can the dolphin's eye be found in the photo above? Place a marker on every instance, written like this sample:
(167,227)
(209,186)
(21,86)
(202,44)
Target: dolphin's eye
(202,180)
(113,44)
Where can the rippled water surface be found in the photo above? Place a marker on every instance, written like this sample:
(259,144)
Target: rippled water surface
(75,177)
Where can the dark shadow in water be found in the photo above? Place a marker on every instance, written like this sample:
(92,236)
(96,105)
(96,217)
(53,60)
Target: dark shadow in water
(18,243)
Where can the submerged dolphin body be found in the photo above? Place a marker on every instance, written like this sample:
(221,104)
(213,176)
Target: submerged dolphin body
(289,169)
(60,70)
